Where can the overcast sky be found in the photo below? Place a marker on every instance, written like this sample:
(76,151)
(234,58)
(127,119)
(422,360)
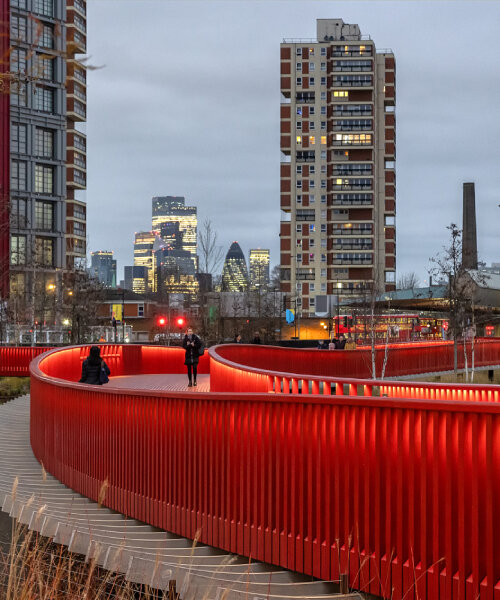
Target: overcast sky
(187,104)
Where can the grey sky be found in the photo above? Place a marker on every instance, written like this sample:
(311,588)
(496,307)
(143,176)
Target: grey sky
(188,104)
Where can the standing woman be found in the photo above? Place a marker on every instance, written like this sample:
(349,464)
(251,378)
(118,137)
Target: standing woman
(191,345)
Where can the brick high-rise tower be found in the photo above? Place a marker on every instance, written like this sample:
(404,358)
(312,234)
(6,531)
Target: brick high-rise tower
(338,181)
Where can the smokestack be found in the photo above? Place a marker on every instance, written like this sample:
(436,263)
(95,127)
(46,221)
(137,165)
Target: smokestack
(469,237)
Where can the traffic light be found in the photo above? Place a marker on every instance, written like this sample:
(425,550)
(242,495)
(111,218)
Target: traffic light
(345,322)
(161,321)
(180,322)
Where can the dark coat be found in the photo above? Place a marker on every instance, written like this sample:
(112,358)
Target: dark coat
(192,355)
(91,372)
(340,344)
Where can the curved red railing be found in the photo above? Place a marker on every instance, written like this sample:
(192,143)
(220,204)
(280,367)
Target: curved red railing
(402,494)
(15,360)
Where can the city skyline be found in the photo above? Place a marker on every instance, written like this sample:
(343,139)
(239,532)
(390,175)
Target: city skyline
(223,144)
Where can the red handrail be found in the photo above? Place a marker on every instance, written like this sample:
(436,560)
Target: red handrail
(401,494)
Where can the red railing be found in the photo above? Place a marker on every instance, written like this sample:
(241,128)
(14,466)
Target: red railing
(401,494)
(15,360)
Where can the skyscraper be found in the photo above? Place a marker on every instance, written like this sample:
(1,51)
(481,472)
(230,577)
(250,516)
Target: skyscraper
(259,269)
(144,257)
(103,267)
(338,177)
(234,271)
(42,153)
(168,209)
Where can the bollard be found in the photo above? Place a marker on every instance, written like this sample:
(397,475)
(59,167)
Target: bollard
(344,583)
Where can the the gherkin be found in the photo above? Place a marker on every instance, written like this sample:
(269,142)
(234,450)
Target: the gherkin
(234,273)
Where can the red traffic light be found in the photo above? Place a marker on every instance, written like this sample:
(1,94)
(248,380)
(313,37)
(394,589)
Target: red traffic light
(161,321)
(181,321)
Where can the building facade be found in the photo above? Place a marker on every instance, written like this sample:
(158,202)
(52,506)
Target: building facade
(234,271)
(338,182)
(42,224)
(103,267)
(173,209)
(259,269)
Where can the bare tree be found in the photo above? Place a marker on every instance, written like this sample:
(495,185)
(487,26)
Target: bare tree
(274,280)
(449,266)
(408,281)
(211,254)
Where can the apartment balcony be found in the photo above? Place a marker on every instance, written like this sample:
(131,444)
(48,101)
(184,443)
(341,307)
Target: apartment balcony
(352,53)
(353,261)
(346,111)
(352,231)
(352,127)
(75,178)
(76,110)
(77,70)
(352,246)
(352,69)
(305,98)
(76,159)
(76,140)
(76,89)
(76,40)
(353,172)
(80,6)
(354,83)
(343,202)
(352,186)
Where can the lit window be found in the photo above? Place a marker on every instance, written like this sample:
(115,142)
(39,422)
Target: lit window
(299,139)
(311,256)
(311,51)
(362,49)
(338,181)
(323,141)
(312,228)
(341,94)
(312,140)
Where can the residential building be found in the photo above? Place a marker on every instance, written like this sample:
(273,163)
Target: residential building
(338,180)
(103,267)
(259,269)
(42,223)
(234,271)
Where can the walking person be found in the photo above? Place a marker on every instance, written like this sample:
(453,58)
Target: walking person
(94,370)
(191,344)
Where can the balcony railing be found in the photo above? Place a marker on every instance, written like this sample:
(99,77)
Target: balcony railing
(352,231)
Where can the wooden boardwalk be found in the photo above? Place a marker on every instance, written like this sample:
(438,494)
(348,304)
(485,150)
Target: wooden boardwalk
(159,382)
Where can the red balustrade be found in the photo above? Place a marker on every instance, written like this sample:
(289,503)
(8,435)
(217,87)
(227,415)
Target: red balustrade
(15,360)
(403,494)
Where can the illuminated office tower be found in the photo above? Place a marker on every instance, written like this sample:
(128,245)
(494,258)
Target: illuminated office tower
(234,271)
(172,209)
(338,179)
(103,267)
(259,269)
(144,257)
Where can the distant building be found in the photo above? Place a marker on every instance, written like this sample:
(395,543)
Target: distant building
(338,178)
(144,256)
(494,268)
(175,272)
(234,272)
(136,279)
(172,209)
(259,269)
(103,267)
